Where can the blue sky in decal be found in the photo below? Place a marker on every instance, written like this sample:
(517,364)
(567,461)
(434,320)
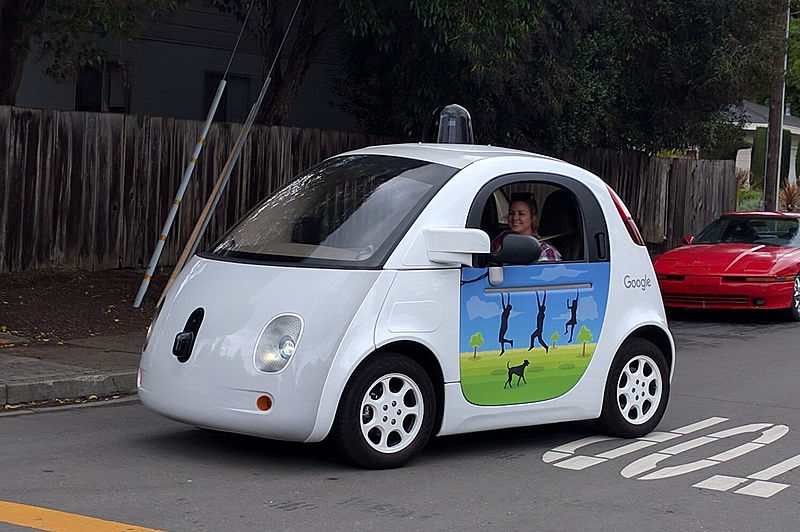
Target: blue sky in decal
(482,312)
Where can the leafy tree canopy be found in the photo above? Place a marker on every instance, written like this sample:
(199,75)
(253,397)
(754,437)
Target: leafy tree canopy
(620,73)
(66,31)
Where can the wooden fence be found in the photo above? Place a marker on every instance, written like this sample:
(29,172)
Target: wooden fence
(668,198)
(92,190)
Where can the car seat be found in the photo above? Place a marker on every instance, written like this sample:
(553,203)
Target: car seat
(560,225)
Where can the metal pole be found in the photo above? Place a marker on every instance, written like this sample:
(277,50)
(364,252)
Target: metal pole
(187,175)
(222,180)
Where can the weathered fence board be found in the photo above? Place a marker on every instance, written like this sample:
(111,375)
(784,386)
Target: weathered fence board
(668,198)
(93,190)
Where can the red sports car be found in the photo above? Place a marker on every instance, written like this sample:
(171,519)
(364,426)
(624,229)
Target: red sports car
(742,260)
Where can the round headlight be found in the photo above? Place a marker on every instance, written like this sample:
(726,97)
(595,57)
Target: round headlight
(277,343)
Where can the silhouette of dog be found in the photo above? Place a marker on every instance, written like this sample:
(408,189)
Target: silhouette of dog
(519,371)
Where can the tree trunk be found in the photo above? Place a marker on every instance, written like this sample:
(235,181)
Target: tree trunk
(772,178)
(308,41)
(16,29)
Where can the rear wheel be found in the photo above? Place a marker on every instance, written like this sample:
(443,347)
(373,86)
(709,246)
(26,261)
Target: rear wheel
(793,312)
(636,391)
(386,414)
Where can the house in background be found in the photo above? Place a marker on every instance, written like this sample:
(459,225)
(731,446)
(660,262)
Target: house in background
(757,116)
(173,69)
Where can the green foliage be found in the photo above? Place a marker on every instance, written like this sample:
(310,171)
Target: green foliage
(758,156)
(786,147)
(750,200)
(69,29)
(476,340)
(563,74)
(584,334)
(724,141)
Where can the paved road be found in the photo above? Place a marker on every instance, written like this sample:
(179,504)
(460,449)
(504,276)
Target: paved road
(726,457)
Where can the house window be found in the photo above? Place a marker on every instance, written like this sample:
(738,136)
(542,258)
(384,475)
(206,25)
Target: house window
(105,89)
(236,100)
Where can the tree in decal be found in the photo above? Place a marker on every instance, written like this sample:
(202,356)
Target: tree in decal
(475,341)
(554,338)
(584,335)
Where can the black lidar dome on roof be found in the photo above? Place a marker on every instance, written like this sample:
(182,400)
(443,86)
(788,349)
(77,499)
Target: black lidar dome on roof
(450,124)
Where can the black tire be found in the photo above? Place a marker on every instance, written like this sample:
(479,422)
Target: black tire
(386,413)
(793,312)
(637,390)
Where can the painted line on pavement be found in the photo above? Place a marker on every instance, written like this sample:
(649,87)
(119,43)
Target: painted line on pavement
(56,521)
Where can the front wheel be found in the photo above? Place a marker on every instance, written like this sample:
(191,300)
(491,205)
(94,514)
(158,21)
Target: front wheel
(793,312)
(386,413)
(636,392)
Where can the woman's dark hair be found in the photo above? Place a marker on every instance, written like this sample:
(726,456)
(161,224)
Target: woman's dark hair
(526,198)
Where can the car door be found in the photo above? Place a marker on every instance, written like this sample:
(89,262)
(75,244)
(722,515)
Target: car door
(528,331)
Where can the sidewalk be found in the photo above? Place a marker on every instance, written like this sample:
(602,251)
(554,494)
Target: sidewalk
(100,365)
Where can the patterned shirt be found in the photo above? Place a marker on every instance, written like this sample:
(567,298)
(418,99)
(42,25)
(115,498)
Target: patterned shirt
(549,252)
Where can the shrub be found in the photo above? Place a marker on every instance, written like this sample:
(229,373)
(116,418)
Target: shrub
(789,197)
(750,200)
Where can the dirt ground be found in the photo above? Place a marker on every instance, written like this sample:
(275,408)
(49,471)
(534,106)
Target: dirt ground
(56,305)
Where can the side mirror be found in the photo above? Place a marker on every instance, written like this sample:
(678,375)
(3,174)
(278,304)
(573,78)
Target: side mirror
(451,245)
(688,240)
(517,249)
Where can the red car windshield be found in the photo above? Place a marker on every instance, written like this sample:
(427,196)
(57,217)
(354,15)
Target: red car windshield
(751,230)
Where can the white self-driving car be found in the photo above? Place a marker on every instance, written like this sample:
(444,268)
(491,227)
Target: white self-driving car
(370,301)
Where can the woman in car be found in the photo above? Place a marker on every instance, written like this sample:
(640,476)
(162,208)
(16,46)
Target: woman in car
(523,219)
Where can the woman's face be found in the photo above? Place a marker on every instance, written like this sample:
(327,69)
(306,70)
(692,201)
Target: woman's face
(520,218)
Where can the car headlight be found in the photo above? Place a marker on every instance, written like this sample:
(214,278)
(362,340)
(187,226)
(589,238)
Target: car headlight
(277,343)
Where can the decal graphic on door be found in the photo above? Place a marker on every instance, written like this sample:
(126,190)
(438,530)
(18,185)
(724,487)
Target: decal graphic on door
(531,337)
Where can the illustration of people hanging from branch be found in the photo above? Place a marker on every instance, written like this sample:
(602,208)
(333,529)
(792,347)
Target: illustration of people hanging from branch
(573,320)
(537,334)
(504,323)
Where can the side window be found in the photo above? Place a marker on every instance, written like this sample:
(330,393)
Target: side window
(548,211)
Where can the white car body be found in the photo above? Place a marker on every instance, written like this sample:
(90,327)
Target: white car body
(411,304)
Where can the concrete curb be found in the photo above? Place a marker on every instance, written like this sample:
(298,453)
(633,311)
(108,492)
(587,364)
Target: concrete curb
(68,388)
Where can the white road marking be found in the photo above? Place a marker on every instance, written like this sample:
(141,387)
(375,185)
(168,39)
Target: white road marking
(577,463)
(566,458)
(694,427)
(778,469)
(649,462)
(761,488)
(719,483)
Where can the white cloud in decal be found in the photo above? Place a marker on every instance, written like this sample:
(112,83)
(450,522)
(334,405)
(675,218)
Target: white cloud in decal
(587,308)
(478,308)
(558,272)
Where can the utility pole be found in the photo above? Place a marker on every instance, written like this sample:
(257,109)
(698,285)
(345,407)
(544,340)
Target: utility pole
(777,95)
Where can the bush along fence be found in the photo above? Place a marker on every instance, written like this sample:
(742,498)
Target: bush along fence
(92,190)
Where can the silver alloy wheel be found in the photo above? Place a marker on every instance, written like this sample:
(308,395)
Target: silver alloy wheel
(392,411)
(639,389)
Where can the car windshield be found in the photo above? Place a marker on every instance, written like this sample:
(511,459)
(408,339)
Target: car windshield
(346,211)
(751,230)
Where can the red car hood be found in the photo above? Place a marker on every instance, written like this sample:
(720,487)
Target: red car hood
(710,259)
